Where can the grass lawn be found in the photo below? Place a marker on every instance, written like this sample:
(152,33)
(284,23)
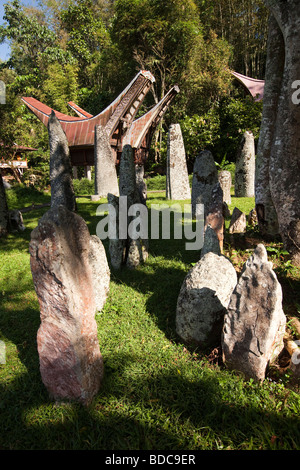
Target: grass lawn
(157,394)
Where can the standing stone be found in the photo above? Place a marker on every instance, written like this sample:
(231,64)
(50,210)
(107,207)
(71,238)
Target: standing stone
(211,242)
(203,299)
(141,183)
(254,325)
(106,180)
(238,222)
(116,246)
(177,181)
(205,177)
(215,217)
(62,191)
(127,177)
(127,251)
(225,183)
(100,271)
(245,167)
(71,364)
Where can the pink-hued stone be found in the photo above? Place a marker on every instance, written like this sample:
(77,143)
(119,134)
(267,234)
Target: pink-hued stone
(71,364)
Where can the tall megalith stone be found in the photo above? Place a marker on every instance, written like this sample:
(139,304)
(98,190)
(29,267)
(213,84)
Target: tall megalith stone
(128,248)
(177,179)
(71,364)
(106,180)
(244,185)
(205,178)
(62,191)
(225,183)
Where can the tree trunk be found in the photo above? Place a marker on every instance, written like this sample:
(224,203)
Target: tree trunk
(284,165)
(3,210)
(266,213)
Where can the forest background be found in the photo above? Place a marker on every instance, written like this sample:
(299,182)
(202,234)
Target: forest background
(87,51)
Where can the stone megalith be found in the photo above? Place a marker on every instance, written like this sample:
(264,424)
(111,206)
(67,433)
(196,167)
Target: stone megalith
(126,249)
(254,324)
(100,271)
(71,363)
(205,177)
(106,180)
(203,300)
(244,185)
(211,242)
(225,181)
(215,213)
(62,191)
(141,183)
(177,178)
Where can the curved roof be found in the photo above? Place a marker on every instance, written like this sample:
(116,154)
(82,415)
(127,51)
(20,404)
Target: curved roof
(254,86)
(80,130)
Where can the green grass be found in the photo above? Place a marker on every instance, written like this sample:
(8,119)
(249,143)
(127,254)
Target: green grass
(157,394)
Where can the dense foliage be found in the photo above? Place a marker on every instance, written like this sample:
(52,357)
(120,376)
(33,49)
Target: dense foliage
(88,50)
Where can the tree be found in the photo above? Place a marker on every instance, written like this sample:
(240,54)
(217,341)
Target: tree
(267,216)
(284,146)
(158,36)
(244,25)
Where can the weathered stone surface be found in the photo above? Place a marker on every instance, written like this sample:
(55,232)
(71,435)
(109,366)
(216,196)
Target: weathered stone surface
(62,191)
(127,251)
(238,222)
(245,167)
(127,177)
(71,364)
(141,183)
(100,271)
(215,209)
(177,180)
(252,218)
(203,300)
(211,242)
(117,247)
(254,324)
(225,183)
(106,180)
(205,177)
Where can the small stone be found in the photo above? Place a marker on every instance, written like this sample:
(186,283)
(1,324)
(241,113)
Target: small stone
(203,300)
(252,218)
(238,222)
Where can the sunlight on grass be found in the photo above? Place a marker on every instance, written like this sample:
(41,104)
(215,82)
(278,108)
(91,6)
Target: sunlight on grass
(156,393)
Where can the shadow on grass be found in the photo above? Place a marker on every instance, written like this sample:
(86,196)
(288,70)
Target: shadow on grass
(162,411)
